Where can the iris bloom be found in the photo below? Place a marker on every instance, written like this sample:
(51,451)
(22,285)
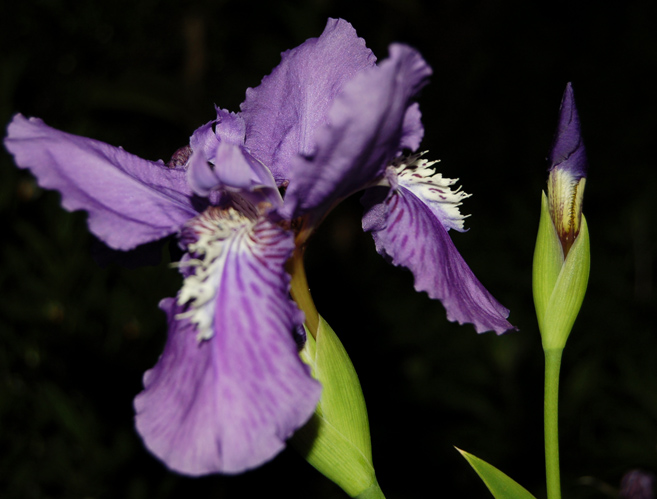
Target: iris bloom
(229,388)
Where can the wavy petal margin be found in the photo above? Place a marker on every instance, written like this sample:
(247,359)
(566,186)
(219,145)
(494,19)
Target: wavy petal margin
(407,231)
(130,201)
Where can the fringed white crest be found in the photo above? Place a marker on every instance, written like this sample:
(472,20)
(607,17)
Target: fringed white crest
(418,175)
(218,231)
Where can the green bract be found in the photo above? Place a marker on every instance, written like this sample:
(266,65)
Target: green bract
(559,285)
(336,440)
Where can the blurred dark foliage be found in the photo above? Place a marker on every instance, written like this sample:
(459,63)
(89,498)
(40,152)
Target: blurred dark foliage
(75,338)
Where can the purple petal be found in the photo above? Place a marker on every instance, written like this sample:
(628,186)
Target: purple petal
(221,162)
(231,168)
(228,403)
(130,201)
(412,131)
(568,152)
(228,127)
(284,111)
(408,232)
(367,126)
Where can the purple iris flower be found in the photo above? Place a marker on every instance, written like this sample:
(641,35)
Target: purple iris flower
(230,388)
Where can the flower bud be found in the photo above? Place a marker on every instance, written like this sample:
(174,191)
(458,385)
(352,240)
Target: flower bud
(562,254)
(567,178)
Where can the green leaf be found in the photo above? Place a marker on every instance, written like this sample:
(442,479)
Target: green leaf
(336,441)
(499,484)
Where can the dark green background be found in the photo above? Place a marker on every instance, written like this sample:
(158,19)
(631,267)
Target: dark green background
(75,338)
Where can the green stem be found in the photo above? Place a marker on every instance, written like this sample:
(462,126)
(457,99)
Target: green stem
(551,422)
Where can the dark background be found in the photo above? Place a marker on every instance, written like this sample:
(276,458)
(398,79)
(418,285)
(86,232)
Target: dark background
(75,338)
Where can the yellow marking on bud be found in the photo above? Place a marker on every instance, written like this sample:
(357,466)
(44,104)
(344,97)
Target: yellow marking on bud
(565,195)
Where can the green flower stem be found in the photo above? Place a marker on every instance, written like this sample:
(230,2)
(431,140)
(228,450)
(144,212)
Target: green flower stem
(551,422)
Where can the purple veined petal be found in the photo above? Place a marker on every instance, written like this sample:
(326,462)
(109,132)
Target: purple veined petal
(568,152)
(284,111)
(130,201)
(229,388)
(408,232)
(366,130)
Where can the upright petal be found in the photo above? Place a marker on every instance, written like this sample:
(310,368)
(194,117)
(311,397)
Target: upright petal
(366,130)
(130,201)
(413,234)
(284,111)
(230,387)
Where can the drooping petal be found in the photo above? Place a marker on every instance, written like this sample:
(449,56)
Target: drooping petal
(367,123)
(130,201)
(411,234)
(230,387)
(284,111)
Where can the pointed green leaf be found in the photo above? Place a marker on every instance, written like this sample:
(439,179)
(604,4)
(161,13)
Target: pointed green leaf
(499,484)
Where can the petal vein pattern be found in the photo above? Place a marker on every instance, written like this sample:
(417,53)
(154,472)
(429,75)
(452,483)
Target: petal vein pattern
(408,231)
(229,388)
(130,201)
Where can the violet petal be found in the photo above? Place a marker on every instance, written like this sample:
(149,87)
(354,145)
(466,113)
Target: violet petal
(228,403)
(568,151)
(130,201)
(408,232)
(221,162)
(366,130)
(284,111)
